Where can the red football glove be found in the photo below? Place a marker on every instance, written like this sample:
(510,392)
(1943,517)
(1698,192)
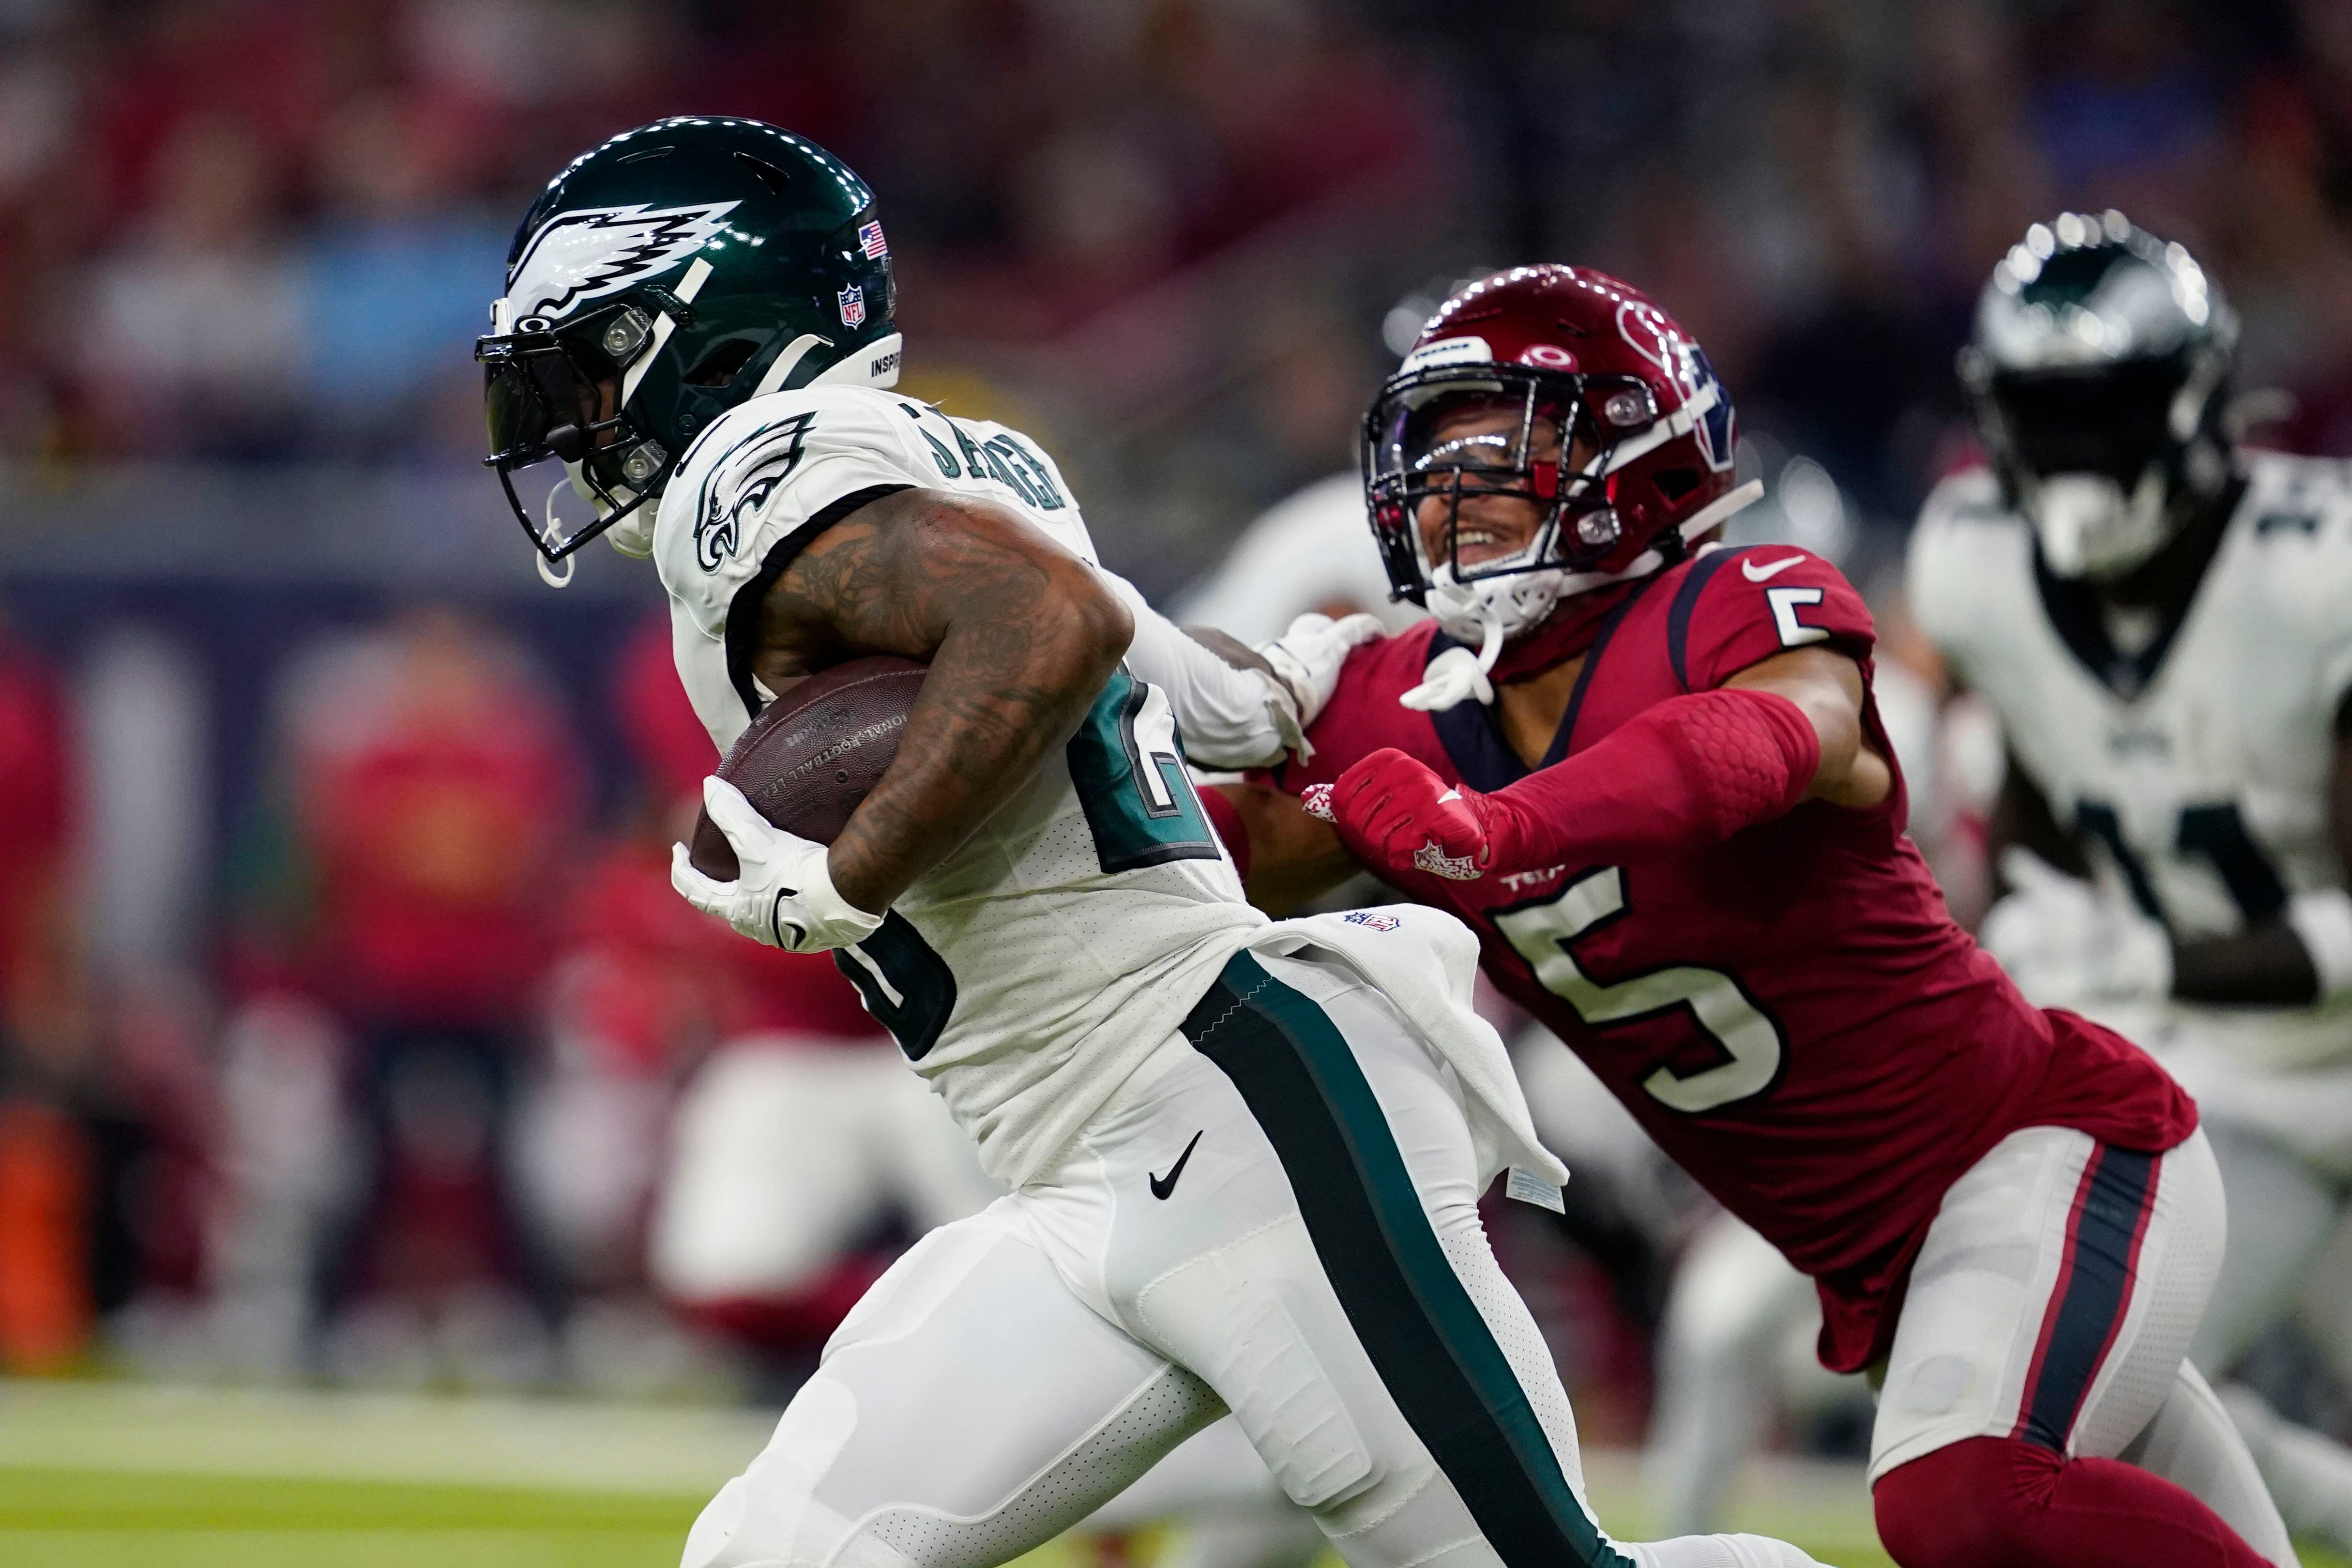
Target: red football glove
(1393,812)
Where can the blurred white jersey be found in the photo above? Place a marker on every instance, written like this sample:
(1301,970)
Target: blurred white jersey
(1311,551)
(1027,974)
(2196,756)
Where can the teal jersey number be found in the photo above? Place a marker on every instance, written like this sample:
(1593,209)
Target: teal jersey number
(1128,768)
(906,983)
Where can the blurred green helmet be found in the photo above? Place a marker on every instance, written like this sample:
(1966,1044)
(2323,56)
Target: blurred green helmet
(2100,369)
(660,279)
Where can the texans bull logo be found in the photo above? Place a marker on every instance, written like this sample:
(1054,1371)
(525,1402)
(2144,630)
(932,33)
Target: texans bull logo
(1649,333)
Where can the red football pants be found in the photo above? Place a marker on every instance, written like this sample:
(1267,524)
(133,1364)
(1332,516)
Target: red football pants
(2005,1502)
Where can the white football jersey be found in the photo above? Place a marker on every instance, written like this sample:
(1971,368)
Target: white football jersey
(1030,971)
(2198,763)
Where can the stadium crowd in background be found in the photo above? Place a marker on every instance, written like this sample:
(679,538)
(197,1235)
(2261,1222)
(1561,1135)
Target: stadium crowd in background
(253,229)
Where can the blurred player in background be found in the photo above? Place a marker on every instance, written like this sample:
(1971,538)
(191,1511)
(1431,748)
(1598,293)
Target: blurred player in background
(2163,621)
(1306,554)
(436,789)
(1659,786)
(698,323)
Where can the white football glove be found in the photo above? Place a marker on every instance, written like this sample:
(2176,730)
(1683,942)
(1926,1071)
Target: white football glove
(1306,659)
(784,896)
(2069,944)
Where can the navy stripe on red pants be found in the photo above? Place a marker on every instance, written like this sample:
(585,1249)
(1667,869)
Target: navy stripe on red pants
(2088,1308)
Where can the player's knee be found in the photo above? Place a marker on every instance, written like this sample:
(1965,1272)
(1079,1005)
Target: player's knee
(1967,1505)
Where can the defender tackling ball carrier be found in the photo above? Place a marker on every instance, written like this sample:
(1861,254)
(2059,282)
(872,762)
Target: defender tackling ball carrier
(1246,1172)
(1651,775)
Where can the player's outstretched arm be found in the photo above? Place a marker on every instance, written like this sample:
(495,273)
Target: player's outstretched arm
(1826,687)
(1237,706)
(1687,774)
(1020,636)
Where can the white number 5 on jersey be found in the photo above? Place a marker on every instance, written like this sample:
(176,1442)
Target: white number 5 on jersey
(1751,1041)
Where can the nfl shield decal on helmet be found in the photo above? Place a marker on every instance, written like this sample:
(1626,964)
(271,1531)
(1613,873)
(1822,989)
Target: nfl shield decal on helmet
(870,240)
(853,306)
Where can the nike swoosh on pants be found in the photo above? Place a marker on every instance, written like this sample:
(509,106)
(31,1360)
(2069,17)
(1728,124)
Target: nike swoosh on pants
(1164,1186)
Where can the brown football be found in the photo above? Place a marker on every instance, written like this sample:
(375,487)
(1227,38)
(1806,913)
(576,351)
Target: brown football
(813,753)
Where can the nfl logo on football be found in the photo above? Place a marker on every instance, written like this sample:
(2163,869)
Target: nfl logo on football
(853,306)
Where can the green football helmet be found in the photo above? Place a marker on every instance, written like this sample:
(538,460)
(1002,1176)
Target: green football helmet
(660,279)
(2100,369)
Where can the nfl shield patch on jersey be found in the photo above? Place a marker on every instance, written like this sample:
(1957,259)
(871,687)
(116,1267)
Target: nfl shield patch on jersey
(853,306)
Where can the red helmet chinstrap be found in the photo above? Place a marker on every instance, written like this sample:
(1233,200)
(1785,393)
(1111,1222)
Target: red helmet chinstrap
(1602,364)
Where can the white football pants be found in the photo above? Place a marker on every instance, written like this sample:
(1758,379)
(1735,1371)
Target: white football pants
(1277,1215)
(2054,1302)
(1973,1319)
(786,1149)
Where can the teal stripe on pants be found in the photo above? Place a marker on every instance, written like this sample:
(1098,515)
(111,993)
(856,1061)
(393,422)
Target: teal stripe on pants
(1414,1317)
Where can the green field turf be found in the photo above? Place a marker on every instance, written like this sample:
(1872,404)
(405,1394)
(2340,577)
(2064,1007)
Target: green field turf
(80,1519)
(117,1476)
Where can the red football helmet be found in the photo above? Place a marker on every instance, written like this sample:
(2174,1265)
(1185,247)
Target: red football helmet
(1623,442)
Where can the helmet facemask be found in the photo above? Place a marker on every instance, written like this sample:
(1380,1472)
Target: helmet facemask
(562,392)
(2100,365)
(2106,461)
(1466,440)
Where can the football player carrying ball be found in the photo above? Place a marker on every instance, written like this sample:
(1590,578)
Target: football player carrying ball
(1245,1156)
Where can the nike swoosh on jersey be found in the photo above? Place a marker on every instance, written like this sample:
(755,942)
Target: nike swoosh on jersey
(1164,1186)
(1748,569)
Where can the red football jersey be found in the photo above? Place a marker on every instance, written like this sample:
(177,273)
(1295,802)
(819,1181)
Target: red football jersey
(1791,1013)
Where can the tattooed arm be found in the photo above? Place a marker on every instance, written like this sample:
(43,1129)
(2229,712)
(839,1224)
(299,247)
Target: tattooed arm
(1020,636)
